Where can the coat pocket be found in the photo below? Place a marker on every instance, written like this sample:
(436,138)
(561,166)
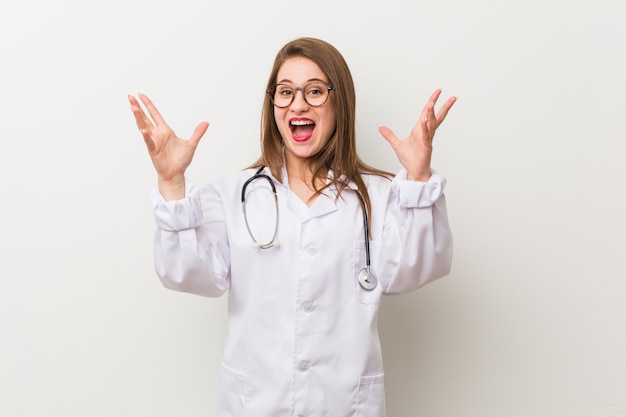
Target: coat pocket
(371,396)
(233,393)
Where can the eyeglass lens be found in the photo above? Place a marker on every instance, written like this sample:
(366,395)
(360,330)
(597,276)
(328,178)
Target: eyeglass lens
(315,94)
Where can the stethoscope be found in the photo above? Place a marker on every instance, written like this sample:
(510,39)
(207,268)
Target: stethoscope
(366,276)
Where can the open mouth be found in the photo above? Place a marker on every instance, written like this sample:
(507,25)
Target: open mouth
(301,129)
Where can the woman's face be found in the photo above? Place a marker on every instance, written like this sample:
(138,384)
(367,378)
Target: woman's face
(305,129)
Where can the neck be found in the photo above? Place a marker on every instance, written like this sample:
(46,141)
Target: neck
(301,180)
(301,170)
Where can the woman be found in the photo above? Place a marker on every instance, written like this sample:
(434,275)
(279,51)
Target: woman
(320,239)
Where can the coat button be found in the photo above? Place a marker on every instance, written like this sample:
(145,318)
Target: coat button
(308,306)
(303,366)
(311,250)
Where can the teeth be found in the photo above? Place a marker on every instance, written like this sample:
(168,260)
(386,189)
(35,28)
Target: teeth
(301,122)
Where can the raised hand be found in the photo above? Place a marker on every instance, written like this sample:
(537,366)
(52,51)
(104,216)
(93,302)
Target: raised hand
(170,154)
(414,152)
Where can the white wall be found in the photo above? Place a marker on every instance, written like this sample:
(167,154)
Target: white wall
(531,322)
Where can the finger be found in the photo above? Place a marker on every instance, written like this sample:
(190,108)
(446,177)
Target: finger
(143,122)
(140,117)
(435,96)
(154,112)
(425,125)
(430,103)
(426,120)
(431,119)
(133,101)
(147,139)
(197,134)
(443,112)
(389,136)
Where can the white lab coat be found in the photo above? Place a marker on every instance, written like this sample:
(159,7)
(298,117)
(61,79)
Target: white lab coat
(303,338)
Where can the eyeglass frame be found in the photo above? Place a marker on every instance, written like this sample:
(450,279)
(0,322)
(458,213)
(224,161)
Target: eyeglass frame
(272,91)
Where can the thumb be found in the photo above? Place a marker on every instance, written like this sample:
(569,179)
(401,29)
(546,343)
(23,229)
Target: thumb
(389,136)
(197,134)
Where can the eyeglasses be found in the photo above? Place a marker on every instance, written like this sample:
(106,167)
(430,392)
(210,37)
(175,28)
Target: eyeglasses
(315,94)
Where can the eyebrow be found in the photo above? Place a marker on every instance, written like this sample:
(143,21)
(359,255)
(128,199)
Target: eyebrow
(310,80)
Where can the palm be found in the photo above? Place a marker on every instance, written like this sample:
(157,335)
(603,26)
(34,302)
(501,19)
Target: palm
(414,152)
(170,154)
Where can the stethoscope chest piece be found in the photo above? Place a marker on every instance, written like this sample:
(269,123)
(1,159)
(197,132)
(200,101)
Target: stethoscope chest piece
(367,279)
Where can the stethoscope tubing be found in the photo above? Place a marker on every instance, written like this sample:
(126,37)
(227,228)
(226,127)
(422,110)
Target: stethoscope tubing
(367,277)
(273,242)
(366,230)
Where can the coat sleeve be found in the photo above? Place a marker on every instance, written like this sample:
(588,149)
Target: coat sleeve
(191,251)
(417,241)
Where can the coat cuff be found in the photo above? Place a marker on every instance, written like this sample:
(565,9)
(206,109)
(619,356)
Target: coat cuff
(417,194)
(177,215)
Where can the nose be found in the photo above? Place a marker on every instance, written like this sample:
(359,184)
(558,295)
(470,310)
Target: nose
(299,103)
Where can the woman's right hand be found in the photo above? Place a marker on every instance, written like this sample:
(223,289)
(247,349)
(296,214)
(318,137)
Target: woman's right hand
(170,154)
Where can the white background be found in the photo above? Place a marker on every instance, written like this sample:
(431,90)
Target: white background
(531,321)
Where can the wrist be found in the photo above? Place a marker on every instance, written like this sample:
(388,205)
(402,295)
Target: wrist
(422,176)
(419,168)
(419,172)
(172,188)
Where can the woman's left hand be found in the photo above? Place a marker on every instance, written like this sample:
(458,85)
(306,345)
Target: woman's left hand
(414,152)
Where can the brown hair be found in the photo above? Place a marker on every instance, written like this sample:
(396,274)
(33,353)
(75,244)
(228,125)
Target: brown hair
(340,153)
